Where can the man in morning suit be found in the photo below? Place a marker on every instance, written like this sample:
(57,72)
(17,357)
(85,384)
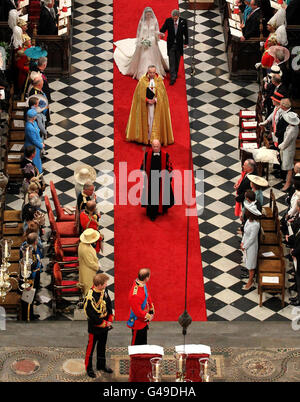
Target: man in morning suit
(98,308)
(48,19)
(141,308)
(251,27)
(177,40)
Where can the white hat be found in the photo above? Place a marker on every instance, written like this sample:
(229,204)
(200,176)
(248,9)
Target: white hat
(251,206)
(275,69)
(291,118)
(89,236)
(83,173)
(260,181)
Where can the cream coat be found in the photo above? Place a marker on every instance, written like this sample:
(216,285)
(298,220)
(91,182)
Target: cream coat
(88,265)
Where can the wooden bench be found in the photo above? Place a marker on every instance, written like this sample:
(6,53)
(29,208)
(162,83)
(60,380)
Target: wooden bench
(18,230)
(12,216)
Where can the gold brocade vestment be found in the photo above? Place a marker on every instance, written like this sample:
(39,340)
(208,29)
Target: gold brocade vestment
(137,125)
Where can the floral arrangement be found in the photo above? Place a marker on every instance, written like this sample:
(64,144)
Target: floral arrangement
(146,43)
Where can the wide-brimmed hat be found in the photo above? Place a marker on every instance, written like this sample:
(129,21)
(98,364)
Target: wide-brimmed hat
(43,102)
(252,207)
(275,69)
(89,236)
(273,49)
(260,181)
(83,173)
(291,118)
(35,52)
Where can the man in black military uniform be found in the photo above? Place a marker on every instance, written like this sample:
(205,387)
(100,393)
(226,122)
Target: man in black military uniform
(98,308)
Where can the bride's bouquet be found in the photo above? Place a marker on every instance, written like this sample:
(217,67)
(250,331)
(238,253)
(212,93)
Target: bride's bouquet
(146,43)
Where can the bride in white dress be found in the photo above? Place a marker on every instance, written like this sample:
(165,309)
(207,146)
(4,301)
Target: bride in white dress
(134,55)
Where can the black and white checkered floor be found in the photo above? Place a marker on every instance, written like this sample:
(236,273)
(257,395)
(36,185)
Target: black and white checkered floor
(82,132)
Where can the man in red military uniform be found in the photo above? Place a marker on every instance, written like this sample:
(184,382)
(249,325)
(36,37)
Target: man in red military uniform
(141,308)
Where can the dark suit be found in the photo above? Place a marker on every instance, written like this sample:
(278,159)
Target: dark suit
(175,43)
(251,28)
(5,7)
(47,24)
(243,187)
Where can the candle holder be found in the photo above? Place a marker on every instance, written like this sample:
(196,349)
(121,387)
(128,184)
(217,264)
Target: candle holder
(6,248)
(180,366)
(155,374)
(25,267)
(207,369)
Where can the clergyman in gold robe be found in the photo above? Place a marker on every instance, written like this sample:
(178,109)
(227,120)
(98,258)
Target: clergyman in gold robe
(150,117)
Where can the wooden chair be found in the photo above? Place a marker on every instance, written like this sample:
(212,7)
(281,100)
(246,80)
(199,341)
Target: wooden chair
(271,238)
(269,225)
(271,283)
(269,211)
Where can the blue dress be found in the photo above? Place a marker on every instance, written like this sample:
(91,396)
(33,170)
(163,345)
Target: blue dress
(32,137)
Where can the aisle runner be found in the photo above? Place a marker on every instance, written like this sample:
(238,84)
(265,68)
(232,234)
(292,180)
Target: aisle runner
(159,245)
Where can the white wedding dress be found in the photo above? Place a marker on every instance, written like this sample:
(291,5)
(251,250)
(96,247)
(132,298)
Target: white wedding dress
(133,57)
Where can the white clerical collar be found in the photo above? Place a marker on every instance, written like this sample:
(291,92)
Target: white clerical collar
(156,153)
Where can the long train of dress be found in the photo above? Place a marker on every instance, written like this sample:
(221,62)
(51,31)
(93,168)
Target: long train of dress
(135,61)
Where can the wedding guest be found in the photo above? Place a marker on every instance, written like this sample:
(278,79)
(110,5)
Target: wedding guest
(177,41)
(249,244)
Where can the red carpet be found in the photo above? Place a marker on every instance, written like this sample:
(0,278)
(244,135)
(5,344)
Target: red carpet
(159,245)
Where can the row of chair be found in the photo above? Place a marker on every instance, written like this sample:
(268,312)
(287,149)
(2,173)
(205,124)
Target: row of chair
(271,269)
(64,240)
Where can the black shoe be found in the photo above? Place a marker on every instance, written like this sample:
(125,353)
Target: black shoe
(35,317)
(295,303)
(152,218)
(172,82)
(105,369)
(91,374)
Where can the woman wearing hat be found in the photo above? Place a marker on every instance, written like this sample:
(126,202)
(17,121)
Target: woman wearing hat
(257,183)
(82,175)
(288,146)
(249,244)
(88,260)
(32,137)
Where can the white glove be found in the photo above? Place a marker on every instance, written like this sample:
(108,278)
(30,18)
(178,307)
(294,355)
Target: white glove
(263,123)
(257,65)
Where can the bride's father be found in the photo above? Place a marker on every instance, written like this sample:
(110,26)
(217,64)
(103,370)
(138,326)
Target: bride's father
(177,40)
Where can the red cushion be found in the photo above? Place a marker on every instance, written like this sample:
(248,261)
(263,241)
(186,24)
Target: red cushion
(67,229)
(67,283)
